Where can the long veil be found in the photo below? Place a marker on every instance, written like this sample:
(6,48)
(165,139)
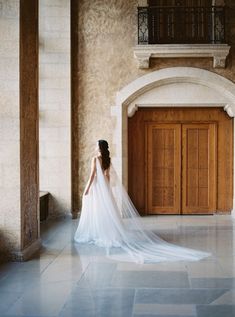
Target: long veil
(117,226)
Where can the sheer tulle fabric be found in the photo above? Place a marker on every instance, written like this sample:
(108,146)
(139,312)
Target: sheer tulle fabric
(110,220)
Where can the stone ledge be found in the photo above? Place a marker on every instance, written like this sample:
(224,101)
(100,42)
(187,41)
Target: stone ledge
(218,52)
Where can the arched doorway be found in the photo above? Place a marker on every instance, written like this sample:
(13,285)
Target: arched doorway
(171,87)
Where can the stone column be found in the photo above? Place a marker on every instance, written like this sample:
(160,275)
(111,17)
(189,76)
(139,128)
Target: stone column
(29,174)
(54,104)
(19,219)
(74,7)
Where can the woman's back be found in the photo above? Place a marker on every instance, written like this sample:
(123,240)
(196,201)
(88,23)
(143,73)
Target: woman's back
(111,220)
(106,171)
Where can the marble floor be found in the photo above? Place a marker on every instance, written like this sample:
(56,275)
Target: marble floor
(67,281)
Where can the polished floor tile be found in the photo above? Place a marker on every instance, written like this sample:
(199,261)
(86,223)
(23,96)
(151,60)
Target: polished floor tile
(98,275)
(42,299)
(226,299)
(206,269)
(169,309)
(216,311)
(178,296)
(99,302)
(158,279)
(165,267)
(213,282)
(7,299)
(157,315)
(69,280)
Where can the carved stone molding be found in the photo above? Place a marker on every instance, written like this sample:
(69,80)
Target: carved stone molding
(131,110)
(230,111)
(219,61)
(218,52)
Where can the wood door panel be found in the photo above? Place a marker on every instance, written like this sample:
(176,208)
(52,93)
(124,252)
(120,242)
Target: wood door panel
(163,168)
(199,168)
(137,180)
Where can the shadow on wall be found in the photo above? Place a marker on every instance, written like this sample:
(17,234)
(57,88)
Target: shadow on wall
(5,248)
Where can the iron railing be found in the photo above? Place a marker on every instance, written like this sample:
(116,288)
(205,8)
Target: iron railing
(181,25)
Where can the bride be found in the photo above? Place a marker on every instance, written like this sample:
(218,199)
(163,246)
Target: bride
(110,220)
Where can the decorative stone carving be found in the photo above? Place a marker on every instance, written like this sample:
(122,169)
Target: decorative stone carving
(219,52)
(132,108)
(143,60)
(230,111)
(219,61)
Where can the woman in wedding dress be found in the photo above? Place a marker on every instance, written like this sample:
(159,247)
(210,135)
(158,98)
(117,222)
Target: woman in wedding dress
(110,220)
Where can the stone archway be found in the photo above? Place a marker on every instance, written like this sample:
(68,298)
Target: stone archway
(207,89)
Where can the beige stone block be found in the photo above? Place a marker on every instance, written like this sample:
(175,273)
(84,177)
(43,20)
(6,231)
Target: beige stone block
(8,86)
(54,11)
(54,3)
(9,104)
(11,221)
(65,106)
(43,106)
(55,96)
(54,58)
(55,149)
(56,23)
(54,165)
(54,134)
(54,71)
(10,205)
(9,48)
(1,177)
(56,177)
(10,152)
(1,219)
(9,129)
(57,192)
(60,36)
(9,29)
(54,118)
(55,83)
(9,9)
(9,69)
(11,175)
(54,46)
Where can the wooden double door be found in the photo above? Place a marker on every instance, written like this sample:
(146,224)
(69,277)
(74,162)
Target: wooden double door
(181,168)
(180,161)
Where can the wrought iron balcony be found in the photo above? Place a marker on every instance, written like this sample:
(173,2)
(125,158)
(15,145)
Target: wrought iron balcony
(181,25)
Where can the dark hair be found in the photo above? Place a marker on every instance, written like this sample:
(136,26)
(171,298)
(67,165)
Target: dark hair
(104,146)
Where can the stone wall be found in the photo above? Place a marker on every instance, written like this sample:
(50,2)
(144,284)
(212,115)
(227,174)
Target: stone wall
(9,126)
(54,103)
(108,32)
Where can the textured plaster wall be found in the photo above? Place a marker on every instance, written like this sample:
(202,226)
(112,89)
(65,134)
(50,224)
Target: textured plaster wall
(108,32)
(54,103)
(9,126)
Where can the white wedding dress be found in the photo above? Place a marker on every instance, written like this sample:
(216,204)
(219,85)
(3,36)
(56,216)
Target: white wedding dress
(110,220)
